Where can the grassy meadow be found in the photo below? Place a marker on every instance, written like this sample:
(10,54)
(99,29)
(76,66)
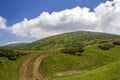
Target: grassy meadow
(91,58)
(97,53)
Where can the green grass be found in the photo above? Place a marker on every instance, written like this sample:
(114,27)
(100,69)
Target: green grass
(58,41)
(92,58)
(9,70)
(107,72)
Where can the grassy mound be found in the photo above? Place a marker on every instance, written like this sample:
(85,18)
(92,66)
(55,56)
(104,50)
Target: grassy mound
(107,72)
(91,58)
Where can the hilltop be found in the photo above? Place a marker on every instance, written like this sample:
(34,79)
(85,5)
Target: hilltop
(14,45)
(58,41)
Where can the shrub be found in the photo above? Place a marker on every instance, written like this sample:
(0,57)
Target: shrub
(104,41)
(73,48)
(79,54)
(80,50)
(0,63)
(116,42)
(69,51)
(105,46)
(10,54)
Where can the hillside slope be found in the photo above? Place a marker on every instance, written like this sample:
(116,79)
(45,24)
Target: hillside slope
(58,41)
(91,58)
(74,51)
(14,46)
(107,72)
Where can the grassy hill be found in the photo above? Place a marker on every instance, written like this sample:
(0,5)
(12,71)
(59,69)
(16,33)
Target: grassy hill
(91,58)
(95,52)
(10,63)
(13,46)
(107,72)
(58,41)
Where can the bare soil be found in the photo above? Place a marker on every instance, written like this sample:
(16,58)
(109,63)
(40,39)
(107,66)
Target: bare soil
(70,73)
(24,68)
(36,73)
(24,71)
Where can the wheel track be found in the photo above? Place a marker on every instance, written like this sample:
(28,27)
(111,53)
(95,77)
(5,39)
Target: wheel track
(24,71)
(24,68)
(36,72)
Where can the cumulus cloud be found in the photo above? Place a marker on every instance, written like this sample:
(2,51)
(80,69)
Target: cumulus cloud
(12,42)
(58,22)
(108,17)
(2,23)
(104,18)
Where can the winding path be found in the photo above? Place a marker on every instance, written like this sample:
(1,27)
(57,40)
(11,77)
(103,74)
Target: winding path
(24,68)
(24,71)
(36,73)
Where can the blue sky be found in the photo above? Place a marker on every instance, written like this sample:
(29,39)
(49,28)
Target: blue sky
(15,11)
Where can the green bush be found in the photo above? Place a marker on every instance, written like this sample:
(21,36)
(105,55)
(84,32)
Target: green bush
(116,42)
(10,54)
(79,54)
(104,41)
(69,51)
(105,46)
(73,48)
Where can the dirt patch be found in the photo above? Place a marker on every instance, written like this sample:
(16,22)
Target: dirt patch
(26,65)
(24,68)
(118,77)
(36,72)
(70,73)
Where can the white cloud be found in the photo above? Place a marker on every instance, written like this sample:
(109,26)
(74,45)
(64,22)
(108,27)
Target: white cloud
(117,0)
(2,23)
(105,18)
(15,42)
(12,42)
(57,22)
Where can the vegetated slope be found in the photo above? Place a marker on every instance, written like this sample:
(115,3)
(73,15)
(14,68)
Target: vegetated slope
(58,41)
(10,62)
(13,46)
(11,54)
(92,58)
(99,49)
(107,72)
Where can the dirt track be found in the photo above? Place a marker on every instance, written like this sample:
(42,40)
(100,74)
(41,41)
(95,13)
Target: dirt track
(36,73)
(70,73)
(24,68)
(24,71)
